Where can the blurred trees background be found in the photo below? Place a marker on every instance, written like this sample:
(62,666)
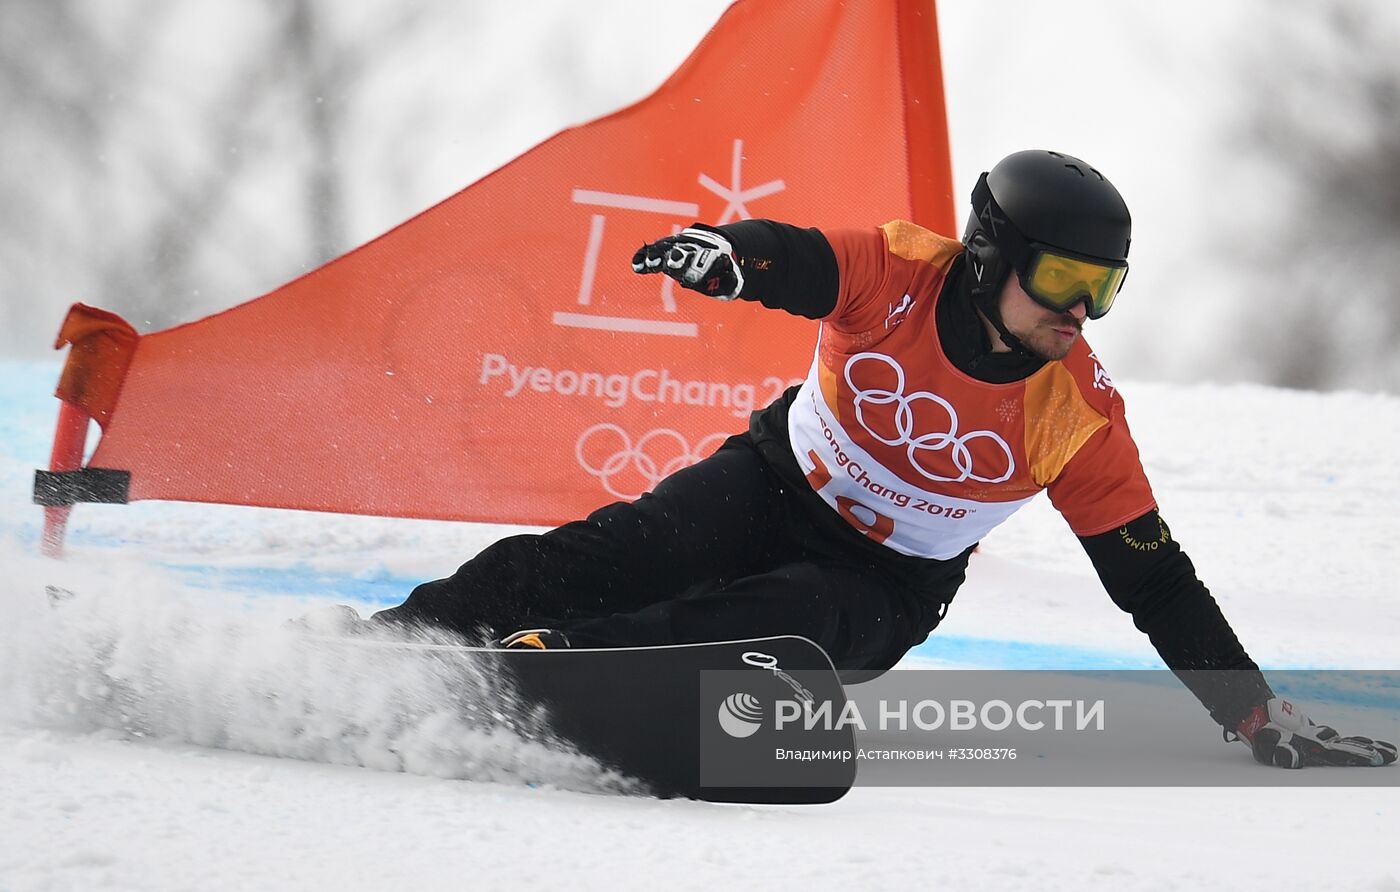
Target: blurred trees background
(167,159)
(1322,119)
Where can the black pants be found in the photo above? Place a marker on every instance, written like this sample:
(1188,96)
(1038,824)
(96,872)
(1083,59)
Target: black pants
(721,550)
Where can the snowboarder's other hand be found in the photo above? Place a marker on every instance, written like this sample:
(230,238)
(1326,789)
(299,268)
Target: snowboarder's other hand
(1281,735)
(700,258)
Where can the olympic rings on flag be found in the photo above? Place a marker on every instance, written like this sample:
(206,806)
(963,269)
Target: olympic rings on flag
(647,459)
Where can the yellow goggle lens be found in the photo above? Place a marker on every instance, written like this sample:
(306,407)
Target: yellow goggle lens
(1060,282)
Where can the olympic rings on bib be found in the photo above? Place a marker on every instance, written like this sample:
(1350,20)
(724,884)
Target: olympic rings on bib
(866,399)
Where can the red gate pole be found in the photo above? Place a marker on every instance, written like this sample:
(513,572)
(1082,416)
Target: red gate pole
(69,442)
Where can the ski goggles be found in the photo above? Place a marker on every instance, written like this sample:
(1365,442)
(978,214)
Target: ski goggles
(1058,281)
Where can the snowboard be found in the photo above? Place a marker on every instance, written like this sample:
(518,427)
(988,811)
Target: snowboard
(749,721)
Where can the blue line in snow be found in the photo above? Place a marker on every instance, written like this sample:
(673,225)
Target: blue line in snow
(375,589)
(1005,654)
(384,589)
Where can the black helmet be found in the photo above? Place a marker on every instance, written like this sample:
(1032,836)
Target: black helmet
(1038,202)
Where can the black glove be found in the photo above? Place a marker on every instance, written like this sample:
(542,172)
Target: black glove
(700,258)
(1282,736)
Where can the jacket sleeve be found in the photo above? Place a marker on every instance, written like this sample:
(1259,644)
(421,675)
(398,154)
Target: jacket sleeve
(1148,575)
(785,267)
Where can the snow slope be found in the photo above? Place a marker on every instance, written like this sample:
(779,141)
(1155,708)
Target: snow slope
(137,740)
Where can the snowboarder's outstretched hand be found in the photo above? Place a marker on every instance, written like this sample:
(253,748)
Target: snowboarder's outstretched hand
(700,258)
(1281,735)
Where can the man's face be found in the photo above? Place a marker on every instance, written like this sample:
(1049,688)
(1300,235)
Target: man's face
(1045,333)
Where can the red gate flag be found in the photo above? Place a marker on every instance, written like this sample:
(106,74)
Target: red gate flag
(494,358)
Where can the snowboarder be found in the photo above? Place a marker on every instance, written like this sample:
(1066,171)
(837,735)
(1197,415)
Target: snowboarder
(951,384)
